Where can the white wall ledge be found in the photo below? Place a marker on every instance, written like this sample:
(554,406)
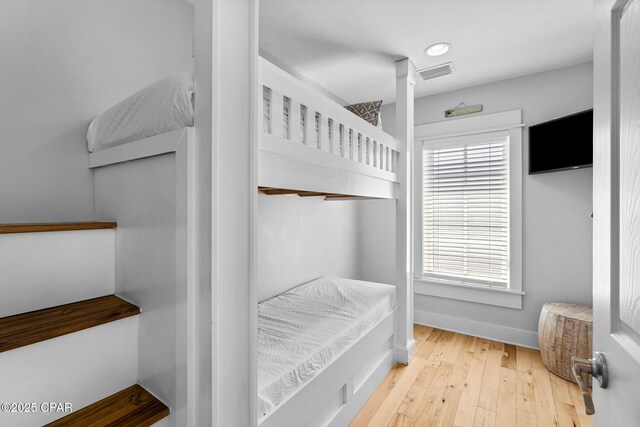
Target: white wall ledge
(167,142)
(468,292)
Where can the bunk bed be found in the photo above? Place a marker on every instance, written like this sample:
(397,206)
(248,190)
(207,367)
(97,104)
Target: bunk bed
(308,145)
(323,347)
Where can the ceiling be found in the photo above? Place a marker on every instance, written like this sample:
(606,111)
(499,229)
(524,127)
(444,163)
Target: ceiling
(349,46)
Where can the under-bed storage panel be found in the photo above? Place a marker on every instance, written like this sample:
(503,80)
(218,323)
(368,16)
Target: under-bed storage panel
(309,142)
(331,397)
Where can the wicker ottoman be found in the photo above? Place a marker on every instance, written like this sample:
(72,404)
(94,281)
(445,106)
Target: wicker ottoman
(564,331)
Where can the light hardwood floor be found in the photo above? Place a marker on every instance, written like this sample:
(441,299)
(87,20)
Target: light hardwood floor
(459,380)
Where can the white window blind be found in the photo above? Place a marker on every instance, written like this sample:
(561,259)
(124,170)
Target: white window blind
(466,209)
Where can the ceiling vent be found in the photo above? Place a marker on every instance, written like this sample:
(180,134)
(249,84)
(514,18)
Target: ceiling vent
(437,71)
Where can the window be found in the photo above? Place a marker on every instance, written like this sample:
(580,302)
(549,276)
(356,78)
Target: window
(465,209)
(468,209)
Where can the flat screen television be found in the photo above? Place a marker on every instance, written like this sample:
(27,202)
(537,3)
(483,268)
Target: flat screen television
(561,144)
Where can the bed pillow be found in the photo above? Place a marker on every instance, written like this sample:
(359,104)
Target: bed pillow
(368,111)
(161,107)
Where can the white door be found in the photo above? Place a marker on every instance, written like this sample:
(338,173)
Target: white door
(616,256)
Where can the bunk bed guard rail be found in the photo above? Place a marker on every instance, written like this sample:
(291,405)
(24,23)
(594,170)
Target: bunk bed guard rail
(300,122)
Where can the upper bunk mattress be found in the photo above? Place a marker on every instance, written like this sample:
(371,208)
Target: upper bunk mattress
(304,329)
(164,106)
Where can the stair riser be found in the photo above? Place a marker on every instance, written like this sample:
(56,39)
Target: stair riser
(80,368)
(40,270)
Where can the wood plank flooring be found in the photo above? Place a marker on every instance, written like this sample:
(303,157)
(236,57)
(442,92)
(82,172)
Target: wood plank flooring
(459,380)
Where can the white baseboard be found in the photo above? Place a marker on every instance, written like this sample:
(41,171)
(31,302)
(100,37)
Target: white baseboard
(475,328)
(406,354)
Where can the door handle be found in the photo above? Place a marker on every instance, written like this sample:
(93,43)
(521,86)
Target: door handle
(597,368)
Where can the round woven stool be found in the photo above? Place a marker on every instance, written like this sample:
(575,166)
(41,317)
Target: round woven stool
(565,331)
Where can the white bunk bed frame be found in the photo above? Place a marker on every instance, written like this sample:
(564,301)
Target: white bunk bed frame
(170,154)
(226,48)
(218,165)
(342,156)
(335,152)
(335,394)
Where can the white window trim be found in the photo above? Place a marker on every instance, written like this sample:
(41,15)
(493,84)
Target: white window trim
(510,121)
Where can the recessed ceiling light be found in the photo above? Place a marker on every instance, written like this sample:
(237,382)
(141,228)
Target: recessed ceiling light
(438,49)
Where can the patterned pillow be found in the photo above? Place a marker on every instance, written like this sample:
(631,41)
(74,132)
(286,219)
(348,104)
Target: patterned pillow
(369,111)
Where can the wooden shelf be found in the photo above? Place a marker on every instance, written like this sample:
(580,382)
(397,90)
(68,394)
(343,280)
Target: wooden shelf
(29,328)
(268,191)
(55,226)
(131,407)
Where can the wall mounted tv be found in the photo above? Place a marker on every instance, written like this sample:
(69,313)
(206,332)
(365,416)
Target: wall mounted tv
(561,144)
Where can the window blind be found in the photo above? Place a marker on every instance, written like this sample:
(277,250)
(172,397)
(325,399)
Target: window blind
(466,210)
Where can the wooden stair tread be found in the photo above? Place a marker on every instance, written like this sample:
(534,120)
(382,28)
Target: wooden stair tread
(131,407)
(28,328)
(55,226)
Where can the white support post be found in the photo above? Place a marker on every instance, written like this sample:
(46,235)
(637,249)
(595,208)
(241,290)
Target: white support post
(354,144)
(394,160)
(261,109)
(374,153)
(202,400)
(405,81)
(224,318)
(310,127)
(335,144)
(277,114)
(346,143)
(387,150)
(295,126)
(324,133)
(363,150)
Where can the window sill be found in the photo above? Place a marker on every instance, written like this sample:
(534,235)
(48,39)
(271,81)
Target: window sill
(469,292)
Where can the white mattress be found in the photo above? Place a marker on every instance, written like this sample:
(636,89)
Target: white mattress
(161,107)
(304,329)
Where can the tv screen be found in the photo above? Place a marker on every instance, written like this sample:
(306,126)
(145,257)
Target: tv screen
(560,144)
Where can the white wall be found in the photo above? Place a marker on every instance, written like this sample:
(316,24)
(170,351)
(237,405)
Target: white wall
(62,63)
(301,239)
(377,241)
(557,208)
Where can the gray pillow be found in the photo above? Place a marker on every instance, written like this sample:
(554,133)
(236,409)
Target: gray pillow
(369,111)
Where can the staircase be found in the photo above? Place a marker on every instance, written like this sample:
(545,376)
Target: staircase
(68,344)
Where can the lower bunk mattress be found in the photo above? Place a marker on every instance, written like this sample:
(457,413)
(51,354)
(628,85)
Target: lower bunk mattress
(304,329)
